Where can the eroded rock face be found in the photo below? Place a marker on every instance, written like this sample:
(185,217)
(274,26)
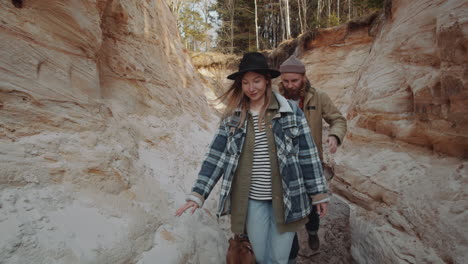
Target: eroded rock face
(99,109)
(418,67)
(336,57)
(403,163)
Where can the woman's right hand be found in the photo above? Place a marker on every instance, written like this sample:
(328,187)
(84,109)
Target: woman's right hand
(187,205)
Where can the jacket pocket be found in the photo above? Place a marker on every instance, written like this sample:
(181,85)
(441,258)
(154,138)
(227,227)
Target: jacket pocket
(291,141)
(234,142)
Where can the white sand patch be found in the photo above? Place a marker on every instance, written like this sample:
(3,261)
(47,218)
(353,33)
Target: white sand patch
(193,238)
(87,231)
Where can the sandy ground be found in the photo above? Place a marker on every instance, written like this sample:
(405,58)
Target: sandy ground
(335,237)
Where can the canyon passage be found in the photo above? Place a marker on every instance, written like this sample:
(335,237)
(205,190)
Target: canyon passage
(105,118)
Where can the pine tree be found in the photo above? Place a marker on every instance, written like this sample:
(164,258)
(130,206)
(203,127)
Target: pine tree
(192,25)
(245,25)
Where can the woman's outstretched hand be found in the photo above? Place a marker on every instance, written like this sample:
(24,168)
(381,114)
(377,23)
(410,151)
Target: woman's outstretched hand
(187,205)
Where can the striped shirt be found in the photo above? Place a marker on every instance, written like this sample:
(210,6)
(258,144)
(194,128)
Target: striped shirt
(260,185)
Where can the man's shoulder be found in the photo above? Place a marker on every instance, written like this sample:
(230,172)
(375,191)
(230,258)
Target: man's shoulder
(315,90)
(312,93)
(318,93)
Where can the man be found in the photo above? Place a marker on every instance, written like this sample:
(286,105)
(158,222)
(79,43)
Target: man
(316,105)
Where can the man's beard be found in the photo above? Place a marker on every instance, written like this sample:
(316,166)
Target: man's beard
(295,94)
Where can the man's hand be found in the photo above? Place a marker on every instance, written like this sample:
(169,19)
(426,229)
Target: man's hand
(332,144)
(322,209)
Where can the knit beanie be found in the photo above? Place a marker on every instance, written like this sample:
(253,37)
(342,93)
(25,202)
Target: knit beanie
(292,64)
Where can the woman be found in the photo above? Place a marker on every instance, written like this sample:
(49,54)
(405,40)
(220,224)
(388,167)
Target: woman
(268,162)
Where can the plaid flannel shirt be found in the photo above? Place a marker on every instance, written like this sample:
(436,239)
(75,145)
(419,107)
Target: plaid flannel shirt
(298,159)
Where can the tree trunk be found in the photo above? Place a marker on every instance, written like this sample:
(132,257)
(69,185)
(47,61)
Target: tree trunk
(349,10)
(231,49)
(319,7)
(231,15)
(256,25)
(278,22)
(288,26)
(328,15)
(300,15)
(304,12)
(338,10)
(283,21)
(205,14)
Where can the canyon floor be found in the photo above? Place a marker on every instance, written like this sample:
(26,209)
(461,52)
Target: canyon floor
(334,234)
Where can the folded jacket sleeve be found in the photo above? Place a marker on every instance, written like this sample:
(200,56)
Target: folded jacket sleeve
(212,167)
(333,117)
(309,159)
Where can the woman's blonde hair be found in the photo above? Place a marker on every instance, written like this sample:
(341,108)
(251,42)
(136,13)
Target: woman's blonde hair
(235,99)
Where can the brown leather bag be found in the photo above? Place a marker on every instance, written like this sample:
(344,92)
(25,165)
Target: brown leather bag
(240,251)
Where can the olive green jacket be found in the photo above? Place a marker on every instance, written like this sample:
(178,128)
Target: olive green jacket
(241,181)
(318,105)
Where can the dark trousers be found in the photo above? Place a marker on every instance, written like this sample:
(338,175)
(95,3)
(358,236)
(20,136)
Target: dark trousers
(311,226)
(314,221)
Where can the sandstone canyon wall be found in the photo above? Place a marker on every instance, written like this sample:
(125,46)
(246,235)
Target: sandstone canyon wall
(103,123)
(402,83)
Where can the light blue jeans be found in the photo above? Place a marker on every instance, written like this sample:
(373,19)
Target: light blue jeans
(269,246)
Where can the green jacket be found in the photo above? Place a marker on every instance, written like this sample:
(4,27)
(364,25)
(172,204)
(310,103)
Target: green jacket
(318,105)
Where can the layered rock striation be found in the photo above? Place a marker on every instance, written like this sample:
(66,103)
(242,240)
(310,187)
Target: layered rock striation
(99,109)
(103,123)
(401,82)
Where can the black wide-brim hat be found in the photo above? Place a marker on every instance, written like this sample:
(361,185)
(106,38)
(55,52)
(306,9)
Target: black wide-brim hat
(254,61)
